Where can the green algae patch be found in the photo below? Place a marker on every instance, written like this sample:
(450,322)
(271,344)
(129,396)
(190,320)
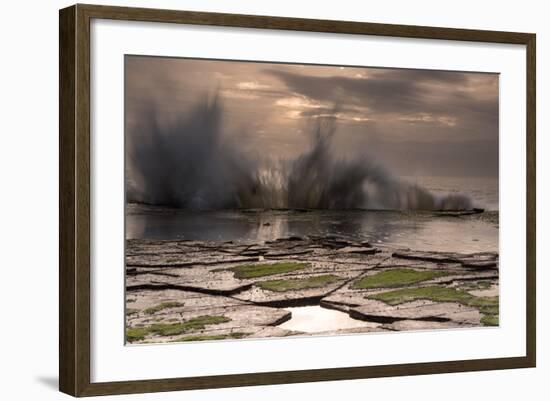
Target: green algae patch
(477,285)
(490,320)
(168,329)
(136,334)
(164,305)
(298,284)
(432,293)
(396,278)
(486,305)
(262,270)
(196,323)
(235,335)
(174,329)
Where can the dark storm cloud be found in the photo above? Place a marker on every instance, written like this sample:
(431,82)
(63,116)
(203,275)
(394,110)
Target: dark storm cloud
(431,122)
(444,77)
(339,89)
(326,111)
(395,91)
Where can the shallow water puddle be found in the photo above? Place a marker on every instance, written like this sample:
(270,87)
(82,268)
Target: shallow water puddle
(312,319)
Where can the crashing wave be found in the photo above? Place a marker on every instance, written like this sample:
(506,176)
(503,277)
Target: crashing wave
(190,164)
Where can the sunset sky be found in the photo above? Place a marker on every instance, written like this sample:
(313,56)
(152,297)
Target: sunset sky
(414,122)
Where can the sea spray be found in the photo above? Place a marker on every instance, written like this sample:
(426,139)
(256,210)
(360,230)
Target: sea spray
(189,163)
(186,163)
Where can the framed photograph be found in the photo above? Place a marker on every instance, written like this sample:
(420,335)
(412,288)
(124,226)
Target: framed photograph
(250,200)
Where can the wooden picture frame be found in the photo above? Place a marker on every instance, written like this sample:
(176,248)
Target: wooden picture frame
(74,205)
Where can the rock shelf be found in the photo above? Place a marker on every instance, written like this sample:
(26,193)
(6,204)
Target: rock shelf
(178,291)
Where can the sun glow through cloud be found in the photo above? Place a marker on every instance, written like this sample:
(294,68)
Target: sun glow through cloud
(438,119)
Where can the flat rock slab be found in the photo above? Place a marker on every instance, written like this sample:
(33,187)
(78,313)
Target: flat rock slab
(172,307)
(208,285)
(185,259)
(351,258)
(349,296)
(464,276)
(418,263)
(142,300)
(196,278)
(378,328)
(358,249)
(221,279)
(283,299)
(340,272)
(420,325)
(240,316)
(372,310)
(482,260)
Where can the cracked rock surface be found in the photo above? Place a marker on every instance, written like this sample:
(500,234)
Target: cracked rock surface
(179,291)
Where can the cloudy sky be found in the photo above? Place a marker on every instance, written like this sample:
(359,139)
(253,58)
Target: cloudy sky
(414,122)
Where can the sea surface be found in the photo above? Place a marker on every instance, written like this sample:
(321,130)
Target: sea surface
(416,230)
(482,191)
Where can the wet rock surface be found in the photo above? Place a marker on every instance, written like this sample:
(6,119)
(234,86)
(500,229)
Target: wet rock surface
(181,291)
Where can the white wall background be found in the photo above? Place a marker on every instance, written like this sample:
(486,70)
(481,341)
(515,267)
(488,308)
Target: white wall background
(29,185)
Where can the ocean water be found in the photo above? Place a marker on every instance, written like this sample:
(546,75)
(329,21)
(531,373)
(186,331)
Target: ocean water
(420,230)
(482,191)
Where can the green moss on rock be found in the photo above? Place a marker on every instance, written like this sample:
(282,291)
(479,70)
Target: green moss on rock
(196,323)
(298,284)
(164,305)
(396,278)
(477,285)
(235,335)
(262,270)
(136,334)
(486,305)
(174,329)
(434,293)
(490,320)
